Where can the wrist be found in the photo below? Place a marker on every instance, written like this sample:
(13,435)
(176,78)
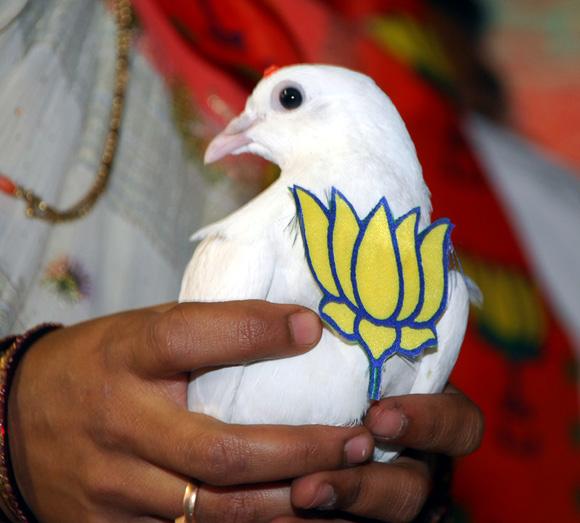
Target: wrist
(12,349)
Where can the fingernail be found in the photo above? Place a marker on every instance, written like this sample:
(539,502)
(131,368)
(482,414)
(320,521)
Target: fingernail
(358,449)
(325,498)
(386,423)
(305,328)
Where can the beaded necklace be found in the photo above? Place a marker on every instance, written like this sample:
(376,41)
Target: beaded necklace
(36,206)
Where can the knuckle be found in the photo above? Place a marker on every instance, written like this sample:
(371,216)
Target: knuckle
(442,429)
(101,486)
(353,495)
(110,355)
(108,427)
(102,432)
(223,458)
(95,517)
(166,335)
(235,507)
(308,454)
(436,429)
(157,338)
(251,331)
(107,435)
(471,435)
(413,491)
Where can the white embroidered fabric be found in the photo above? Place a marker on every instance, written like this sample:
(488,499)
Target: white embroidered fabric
(56,77)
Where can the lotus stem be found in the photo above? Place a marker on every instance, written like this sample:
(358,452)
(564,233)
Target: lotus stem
(375,381)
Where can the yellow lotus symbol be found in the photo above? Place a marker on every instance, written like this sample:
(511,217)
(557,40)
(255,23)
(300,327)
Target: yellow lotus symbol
(384,284)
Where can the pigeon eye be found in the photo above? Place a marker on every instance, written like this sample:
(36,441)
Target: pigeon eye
(287,96)
(290,98)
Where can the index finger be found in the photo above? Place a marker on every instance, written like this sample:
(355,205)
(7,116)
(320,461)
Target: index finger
(191,336)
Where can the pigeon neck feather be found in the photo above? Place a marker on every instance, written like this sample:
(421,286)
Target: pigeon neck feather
(364,179)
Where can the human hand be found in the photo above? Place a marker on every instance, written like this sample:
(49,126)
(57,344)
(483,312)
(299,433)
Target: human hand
(99,429)
(447,423)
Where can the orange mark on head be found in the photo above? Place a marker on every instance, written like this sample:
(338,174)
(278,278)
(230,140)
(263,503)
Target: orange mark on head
(270,70)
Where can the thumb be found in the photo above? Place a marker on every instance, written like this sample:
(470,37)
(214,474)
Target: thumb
(188,336)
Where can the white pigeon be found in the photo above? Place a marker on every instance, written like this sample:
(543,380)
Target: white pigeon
(325,127)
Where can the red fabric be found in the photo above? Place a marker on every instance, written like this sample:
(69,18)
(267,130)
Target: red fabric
(528,467)
(218,30)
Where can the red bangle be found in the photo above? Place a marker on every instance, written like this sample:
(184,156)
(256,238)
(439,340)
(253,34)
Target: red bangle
(11,500)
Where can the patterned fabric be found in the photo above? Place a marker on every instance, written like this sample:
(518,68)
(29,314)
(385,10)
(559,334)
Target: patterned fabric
(517,361)
(56,80)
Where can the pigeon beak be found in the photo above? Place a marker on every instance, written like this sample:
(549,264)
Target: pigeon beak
(231,139)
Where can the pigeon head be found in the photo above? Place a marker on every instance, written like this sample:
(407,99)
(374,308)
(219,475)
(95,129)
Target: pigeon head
(307,113)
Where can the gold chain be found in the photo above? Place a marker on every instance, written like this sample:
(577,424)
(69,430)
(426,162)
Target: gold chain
(36,207)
